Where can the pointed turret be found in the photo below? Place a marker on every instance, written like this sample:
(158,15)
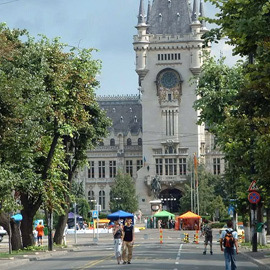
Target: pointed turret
(148,12)
(195,15)
(202,14)
(141,16)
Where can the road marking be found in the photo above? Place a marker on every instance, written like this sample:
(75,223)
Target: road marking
(179,254)
(93,263)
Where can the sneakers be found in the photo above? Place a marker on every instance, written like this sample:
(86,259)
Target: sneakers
(211,252)
(124,262)
(129,262)
(204,253)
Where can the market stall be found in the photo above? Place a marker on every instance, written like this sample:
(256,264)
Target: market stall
(188,221)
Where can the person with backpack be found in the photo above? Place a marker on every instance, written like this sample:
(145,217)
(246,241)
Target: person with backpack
(208,236)
(229,244)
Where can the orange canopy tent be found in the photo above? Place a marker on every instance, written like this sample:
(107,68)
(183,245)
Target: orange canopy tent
(187,221)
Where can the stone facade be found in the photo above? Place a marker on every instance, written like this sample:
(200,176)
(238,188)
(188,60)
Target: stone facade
(154,135)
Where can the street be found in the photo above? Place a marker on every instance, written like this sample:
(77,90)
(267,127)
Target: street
(148,253)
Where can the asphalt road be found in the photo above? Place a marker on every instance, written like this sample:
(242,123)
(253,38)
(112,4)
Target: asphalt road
(148,254)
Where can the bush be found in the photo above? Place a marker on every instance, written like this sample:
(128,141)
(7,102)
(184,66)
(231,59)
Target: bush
(218,225)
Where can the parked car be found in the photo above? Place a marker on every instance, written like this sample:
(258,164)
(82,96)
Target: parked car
(2,233)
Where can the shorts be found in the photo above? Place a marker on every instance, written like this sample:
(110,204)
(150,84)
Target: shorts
(39,237)
(208,239)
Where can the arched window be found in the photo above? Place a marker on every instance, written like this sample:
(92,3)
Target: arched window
(140,141)
(91,198)
(101,143)
(101,199)
(112,142)
(129,142)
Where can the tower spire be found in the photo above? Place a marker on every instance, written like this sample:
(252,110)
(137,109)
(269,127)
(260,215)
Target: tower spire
(148,12)
(202,14)
(141,16)
(195,14)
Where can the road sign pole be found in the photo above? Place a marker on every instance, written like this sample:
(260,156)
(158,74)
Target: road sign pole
(253,227)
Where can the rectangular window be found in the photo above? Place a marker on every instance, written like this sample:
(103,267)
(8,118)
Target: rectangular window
(216,165)
(91,169)
(170,166)
(101,169)
(162,57)
(159,166)
(169,56)
(139,164)
(183,166)
(129,167)
(179,56)
(175,56)
(158,57)
(112,167)
(172,56)
(165,56)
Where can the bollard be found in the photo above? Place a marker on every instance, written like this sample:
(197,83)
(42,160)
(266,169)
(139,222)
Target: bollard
(197,237)
(243,237)
(160,236)
(186,239)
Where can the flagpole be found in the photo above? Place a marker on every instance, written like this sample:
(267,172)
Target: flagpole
(191,189)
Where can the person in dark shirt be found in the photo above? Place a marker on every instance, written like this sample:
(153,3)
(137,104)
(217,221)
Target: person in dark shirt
(117,235)
(128,241)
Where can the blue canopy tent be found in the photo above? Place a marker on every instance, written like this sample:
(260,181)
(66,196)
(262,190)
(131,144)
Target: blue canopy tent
(120,214)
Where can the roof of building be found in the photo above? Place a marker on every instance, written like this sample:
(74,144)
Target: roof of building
(169,17)
(125,112)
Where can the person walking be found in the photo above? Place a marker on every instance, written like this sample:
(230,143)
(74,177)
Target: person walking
(208,236)
(229,245)
(118,237)
(128,241)
(40,233)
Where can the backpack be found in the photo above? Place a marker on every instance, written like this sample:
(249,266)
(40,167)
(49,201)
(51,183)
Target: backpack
(228,240)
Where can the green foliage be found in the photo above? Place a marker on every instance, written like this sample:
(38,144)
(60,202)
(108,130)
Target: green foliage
(211,195)
(123,194)
(49,117)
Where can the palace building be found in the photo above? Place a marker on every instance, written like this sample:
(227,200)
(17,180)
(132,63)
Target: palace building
(155,134)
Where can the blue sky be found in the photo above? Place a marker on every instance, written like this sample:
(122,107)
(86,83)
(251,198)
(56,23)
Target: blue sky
(107,25)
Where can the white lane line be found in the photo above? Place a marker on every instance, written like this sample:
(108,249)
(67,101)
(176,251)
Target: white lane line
(179,254)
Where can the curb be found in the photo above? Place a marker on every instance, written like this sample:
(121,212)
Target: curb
(256,261)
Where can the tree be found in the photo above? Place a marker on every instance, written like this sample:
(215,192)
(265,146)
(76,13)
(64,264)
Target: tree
(123,194)
(49,117)
(211,198)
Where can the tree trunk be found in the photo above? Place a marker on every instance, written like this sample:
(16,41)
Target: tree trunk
(268,220)
(60,227)
(16,241)
(28,212)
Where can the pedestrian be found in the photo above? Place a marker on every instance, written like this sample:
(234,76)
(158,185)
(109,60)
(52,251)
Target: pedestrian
(208,236)
(118,237)
(140,215)
(229,244)
(35,236)
(40,233)
(128,241)
(65,235)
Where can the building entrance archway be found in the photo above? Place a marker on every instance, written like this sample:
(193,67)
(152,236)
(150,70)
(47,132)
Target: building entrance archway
(170,199)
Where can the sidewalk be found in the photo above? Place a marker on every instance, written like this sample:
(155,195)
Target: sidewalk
(261,257)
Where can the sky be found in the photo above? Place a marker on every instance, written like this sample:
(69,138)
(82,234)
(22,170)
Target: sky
(107,25)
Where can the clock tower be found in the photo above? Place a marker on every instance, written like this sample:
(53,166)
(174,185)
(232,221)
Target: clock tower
(168,48)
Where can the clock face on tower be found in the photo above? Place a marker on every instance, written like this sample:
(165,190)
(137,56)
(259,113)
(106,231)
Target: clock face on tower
(169,79)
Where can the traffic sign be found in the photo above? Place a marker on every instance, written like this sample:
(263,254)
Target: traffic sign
(231,210)
(254,197)
(253,186)
(95,214)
